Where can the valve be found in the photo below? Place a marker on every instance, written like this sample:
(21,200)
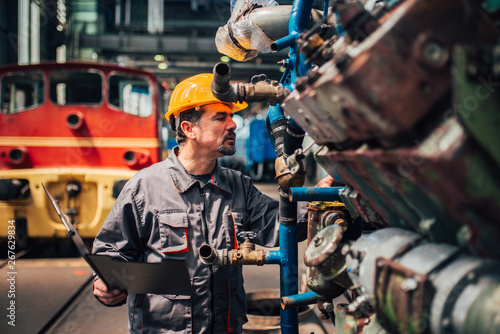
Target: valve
(247,254)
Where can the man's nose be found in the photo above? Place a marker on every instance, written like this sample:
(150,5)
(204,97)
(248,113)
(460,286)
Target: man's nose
(232,124)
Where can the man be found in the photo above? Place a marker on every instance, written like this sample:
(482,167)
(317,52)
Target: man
(173,207)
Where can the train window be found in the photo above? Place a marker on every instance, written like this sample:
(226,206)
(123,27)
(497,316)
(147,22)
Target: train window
(75,87)
(21,91)
(131,94)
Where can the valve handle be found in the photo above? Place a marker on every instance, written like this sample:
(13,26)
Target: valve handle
(259,77)
(247,235)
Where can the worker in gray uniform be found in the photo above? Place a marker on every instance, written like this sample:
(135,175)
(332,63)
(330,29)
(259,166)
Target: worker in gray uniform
(169,210)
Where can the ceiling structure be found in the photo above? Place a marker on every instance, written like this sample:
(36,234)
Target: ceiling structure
(180,33)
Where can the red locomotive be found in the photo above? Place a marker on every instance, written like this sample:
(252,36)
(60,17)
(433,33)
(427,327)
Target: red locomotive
(82,129)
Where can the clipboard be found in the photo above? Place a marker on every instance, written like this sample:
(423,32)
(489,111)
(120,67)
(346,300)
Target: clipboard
(166,277)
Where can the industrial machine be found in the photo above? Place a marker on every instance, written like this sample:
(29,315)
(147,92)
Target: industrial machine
(403,99)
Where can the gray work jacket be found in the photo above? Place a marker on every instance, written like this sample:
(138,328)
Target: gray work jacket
(162,212)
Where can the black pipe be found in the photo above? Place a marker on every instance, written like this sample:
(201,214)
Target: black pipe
(221,84)
(277,130)
(288,210)
(293,139)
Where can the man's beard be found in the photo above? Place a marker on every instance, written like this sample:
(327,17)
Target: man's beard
(227,149)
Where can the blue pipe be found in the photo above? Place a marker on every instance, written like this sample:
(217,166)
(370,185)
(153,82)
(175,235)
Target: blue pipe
(289,321)
(289,276)
(326,3)
(301,299)
(275,113)
(299,17)
(284,42)
(306,194)
(273,257)
(338,26)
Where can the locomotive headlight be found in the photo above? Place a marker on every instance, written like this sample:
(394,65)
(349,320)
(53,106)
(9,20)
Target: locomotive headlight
(75,120)
(136,157)
(17,155)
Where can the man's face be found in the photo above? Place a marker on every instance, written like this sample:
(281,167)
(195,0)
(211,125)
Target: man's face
(216,129)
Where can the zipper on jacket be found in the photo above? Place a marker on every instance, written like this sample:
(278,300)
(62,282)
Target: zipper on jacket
(212,297)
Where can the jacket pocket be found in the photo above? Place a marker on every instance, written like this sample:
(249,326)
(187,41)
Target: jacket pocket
(168,314)
(173,232)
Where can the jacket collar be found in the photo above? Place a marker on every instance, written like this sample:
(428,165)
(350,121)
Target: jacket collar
(183,180)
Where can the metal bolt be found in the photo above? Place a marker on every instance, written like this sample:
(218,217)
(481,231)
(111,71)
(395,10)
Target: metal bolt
(434,52)
(318,241)
(327,307)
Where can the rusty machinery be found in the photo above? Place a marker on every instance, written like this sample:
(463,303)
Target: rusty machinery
(403,102)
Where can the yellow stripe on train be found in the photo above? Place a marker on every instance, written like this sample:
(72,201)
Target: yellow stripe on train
(78,142)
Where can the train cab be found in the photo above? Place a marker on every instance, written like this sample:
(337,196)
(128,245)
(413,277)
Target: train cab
(81,129)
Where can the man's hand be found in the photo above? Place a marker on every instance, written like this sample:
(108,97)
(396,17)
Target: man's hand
(108,298)
(328,181)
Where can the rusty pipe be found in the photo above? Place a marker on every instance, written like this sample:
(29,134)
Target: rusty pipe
(301,299)
(246,255)
(211,256)
(261,91)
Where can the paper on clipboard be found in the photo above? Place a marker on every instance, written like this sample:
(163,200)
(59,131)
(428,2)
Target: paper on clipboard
(166,277)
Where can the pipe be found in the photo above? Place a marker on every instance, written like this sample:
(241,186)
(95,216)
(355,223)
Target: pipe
(330,194)
(235,257)
(301,299)
(284,42)
(211,256)
(272,257)
(289,262)
(221,84)
(271,92)
(273,20)
(289,322)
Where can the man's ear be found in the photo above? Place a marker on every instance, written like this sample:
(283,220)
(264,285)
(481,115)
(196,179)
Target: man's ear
(187,128)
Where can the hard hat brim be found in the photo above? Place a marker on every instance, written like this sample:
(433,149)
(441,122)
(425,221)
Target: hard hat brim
(235,107)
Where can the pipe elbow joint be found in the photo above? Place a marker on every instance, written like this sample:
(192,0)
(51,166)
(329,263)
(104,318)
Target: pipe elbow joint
(213,257)
(221,84)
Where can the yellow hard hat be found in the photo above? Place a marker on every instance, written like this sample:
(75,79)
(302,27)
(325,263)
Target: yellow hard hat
(196,92)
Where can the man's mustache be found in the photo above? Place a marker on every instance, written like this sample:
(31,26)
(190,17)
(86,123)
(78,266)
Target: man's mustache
(231,133)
